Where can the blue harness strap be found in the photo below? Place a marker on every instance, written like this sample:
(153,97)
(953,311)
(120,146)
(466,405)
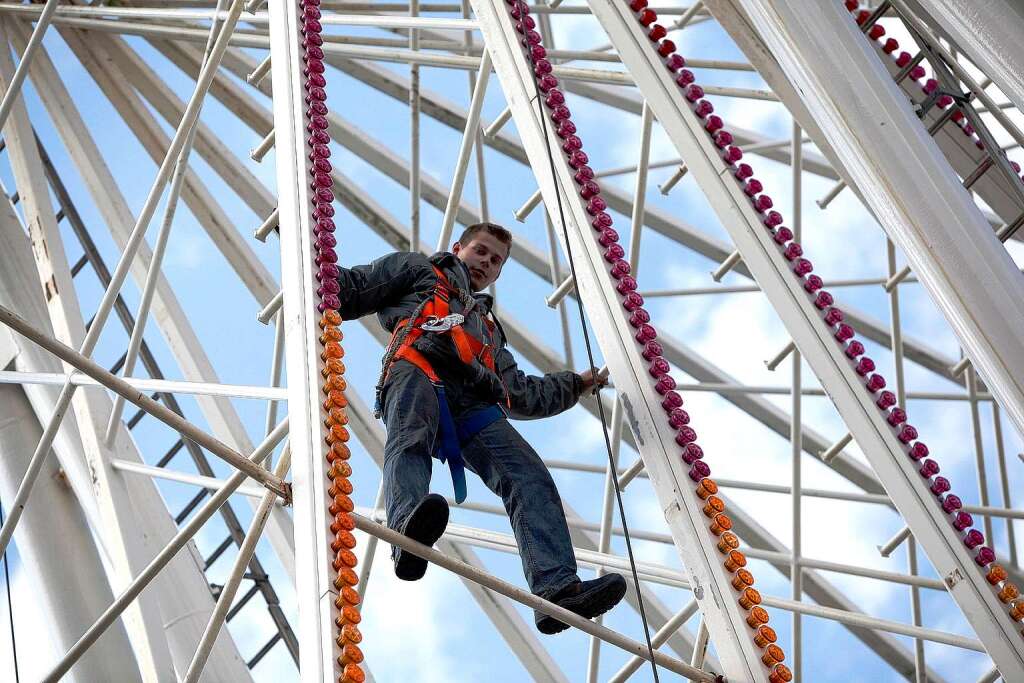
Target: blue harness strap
(453,435)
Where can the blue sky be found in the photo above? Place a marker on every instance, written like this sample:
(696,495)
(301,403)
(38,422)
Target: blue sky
(433,629)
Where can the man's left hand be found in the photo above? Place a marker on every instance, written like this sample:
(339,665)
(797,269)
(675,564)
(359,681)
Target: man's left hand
(590,382)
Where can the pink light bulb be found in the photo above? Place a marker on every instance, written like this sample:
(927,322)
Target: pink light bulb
(692,453)
(918,451)
(813,284)
(723,139)
(929,468)
(917,72)
(985,556)
(713,123)
(658,32)
(693,92)
(875,382)
(772,219)
(782,235)
(793,251)
(626,284)
(614,253)
(648,17)
(891,45)
(743,172)
(675,62)
(823,300)
(939,486)
(854,349)
(802,267)
(632,301)
(583,174)
(608,237)
(639,317)
(554,98)
(886,400)
(330,286)
(547,82)
(686,435)
(703,108)
(329,302)
(645,334)
(659,366)
(652,350)
(685,78)
(732,154)
(907,434)
(845,333)
(619,269)
(753,187)
(665,385)
(677,418)
(962,521)
(763,203)
(974,538)
(951,503)
(601,221)
(699,470)
(596,205)
(864,366)
(571,144)
(326,256)
(589,188)
(897,416)
(328,271)
(671,401)
(903,59)
(833,316)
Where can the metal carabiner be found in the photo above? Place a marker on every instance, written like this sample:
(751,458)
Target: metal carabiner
(445,324)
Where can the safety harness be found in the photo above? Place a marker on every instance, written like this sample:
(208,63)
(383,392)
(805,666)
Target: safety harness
(433,316)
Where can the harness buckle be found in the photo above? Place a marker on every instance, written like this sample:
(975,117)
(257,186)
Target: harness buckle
(445,324)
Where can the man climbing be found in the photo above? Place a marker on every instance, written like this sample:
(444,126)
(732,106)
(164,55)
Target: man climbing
(447,387)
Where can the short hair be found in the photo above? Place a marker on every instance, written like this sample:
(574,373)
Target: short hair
(503,234)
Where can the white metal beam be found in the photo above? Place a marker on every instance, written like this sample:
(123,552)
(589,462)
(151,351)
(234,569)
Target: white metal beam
(314,587)
(827,39)
(989,33)
(171,319)
(53,567)
(668,474)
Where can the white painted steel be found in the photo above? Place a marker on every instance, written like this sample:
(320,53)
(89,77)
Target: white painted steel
(150,385)
(812,42)
(989,33)
(644,414)
(52,567)
(315,590)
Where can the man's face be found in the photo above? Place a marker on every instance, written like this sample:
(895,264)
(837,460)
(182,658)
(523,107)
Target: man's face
(484,255)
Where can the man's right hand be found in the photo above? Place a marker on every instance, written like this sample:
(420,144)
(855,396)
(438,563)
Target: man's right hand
(590,382)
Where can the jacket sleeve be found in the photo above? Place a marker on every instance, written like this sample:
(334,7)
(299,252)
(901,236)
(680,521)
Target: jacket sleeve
(533,397)
(367,289)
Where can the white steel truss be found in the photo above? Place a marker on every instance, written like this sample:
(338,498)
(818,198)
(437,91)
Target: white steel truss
(910,177)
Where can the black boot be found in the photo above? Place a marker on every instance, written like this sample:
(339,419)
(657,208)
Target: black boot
(426,523)
(588,599)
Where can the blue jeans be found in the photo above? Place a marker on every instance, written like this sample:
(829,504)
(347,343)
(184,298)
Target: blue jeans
(499,455)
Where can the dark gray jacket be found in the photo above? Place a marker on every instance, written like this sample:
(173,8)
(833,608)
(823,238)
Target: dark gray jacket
(394,285)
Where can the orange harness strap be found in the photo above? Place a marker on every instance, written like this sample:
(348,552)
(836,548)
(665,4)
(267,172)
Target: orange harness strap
(468,347)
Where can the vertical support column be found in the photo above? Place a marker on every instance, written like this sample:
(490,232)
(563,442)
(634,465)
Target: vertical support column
(315,590)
